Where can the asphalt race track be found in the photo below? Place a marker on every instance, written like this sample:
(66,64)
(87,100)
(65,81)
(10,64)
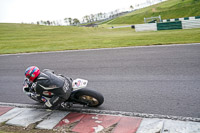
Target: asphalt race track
(154,79)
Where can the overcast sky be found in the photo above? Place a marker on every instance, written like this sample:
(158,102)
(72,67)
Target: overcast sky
(17,11)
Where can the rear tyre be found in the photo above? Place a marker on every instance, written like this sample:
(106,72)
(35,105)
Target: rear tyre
(90,97)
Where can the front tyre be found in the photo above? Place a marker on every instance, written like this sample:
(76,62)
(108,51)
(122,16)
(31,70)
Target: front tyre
(89,97)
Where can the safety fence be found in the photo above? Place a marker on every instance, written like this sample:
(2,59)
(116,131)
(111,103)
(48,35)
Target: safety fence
(146,27)
(190,24)
(170,24)
(180,19)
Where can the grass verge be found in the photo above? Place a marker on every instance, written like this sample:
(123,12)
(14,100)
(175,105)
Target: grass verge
(169,9)
(22,38)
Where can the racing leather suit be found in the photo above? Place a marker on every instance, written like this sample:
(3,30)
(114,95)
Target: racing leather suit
(57,87)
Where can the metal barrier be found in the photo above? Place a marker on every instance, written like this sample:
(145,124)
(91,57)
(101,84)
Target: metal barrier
(170,24)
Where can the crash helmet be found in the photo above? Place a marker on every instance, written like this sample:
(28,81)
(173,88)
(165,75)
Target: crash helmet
(32,73)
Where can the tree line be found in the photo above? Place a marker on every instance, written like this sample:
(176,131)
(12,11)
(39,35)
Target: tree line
(86,19)
(95,17)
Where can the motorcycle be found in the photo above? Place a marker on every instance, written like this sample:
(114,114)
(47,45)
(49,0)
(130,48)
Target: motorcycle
(79,95)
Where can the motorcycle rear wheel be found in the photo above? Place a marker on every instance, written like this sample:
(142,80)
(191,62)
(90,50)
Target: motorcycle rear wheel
(90,97)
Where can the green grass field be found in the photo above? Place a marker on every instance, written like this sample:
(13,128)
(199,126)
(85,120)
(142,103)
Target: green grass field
(168,10)
(23,38)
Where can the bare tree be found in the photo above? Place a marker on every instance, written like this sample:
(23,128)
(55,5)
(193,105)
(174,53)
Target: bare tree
(70,21)
(87,18)
(92,17)
(66,21)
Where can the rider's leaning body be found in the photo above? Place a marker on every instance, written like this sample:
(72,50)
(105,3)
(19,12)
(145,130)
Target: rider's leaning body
(58,86)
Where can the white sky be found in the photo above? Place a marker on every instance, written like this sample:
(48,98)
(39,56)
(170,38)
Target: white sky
(17,11)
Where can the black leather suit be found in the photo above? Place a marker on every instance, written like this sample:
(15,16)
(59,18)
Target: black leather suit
(59,88)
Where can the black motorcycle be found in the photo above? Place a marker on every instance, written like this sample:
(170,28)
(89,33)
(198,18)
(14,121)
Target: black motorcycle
(80,95)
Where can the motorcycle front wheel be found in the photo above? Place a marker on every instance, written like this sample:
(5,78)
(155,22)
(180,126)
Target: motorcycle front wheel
(89,97)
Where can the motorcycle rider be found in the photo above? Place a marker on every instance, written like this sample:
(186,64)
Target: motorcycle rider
(48,82)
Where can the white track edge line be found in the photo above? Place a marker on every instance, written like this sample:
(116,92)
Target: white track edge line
(85,50)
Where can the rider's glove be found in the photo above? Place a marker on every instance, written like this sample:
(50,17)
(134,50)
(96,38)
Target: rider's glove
(26,90)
